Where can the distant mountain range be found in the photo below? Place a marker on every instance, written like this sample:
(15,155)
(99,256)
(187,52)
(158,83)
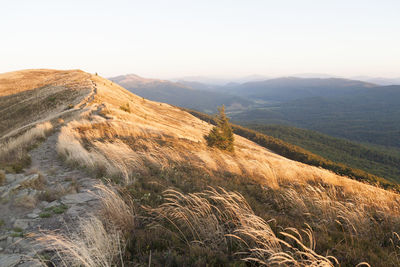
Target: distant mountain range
(181,94)
(217,82)
(379,80)
(290,88)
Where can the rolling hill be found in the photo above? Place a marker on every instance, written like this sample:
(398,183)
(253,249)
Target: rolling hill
(292,88)
(179,94)
(370,115)
(134,182)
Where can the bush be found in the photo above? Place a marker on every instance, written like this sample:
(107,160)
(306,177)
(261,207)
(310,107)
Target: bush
(126,108)
(221,135)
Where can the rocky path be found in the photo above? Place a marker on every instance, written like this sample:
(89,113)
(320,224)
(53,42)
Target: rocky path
(49,196)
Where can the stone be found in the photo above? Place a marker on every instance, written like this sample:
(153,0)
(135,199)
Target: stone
(8,189)
(23,244)
(10,177)
(30,264)
(55,203)
(34,214)
(9,241)
(10,260)
(22,223)
(44,203)
(78,198)
(74,211)
(18,182)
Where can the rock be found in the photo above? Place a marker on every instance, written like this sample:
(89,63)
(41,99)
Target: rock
(78,198)
(55,203)
(9,241)
(18,182)
(44,203)
(22,223)
(23,244)
(30,264)
(10,260)
(8,189)
(74,211)
(28,192)
(11,177)
(34,214)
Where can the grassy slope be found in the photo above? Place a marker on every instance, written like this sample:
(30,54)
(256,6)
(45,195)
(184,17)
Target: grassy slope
(30,102)
(147,147)
(378,161)
(299,154)
(33,95)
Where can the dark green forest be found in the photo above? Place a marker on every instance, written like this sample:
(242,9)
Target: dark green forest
(376,160)
(368,116)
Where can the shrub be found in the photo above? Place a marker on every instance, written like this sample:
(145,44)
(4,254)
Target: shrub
(221,135)
(126,108)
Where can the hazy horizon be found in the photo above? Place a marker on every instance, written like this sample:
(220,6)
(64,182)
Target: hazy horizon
(226,39)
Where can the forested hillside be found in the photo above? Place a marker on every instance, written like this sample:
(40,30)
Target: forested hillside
(371,115)
(379,161)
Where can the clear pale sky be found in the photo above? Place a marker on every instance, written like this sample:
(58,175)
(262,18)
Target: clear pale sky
(208,37)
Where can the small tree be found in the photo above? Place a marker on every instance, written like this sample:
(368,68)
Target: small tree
(221,135)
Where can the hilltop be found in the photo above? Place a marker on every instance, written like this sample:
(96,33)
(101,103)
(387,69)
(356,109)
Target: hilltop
(130,180)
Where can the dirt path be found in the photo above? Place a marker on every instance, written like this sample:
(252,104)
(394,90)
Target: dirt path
(51,196)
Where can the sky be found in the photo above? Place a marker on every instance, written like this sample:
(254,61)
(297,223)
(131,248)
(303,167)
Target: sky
(170,38)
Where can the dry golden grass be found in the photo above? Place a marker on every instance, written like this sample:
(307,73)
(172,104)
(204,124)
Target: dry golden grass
(30,97)
(115,210)
(14,151)
(25,140)
(100,240)
(20,81)
(26,201)
(91,246)
(216,218)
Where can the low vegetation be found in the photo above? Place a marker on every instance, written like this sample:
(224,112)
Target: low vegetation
(125,108)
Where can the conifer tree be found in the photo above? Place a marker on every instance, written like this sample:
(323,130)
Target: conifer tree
(221,135)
